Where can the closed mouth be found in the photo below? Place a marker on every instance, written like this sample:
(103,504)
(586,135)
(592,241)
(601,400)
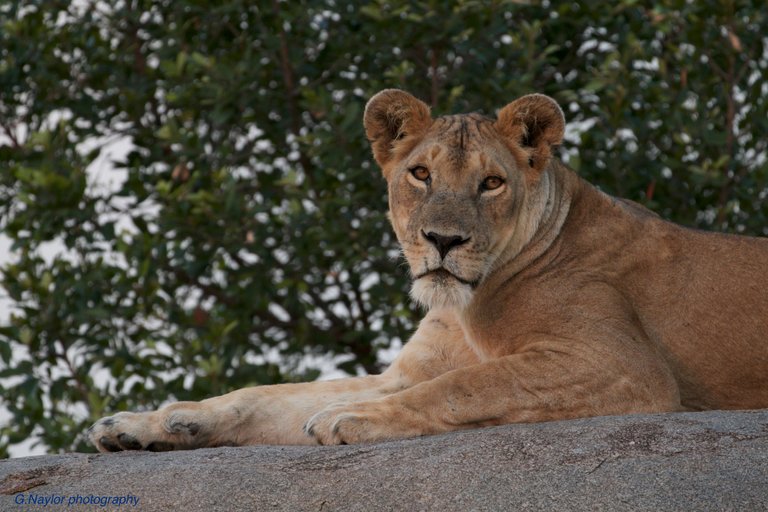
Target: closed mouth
(442,273)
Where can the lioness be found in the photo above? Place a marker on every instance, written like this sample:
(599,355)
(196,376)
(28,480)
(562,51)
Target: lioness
(547,299)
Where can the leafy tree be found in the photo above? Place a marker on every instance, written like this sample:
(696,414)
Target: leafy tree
(247,229)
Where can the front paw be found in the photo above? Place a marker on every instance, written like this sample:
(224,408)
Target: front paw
(110,434)
(350,424)
(151,431)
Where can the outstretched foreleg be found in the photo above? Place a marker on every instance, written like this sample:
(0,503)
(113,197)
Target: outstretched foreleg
(278,414)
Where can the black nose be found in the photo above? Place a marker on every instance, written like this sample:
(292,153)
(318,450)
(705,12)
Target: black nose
(444,243)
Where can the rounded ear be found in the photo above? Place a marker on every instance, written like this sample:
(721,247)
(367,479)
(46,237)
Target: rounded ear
(534,123)
(391,115)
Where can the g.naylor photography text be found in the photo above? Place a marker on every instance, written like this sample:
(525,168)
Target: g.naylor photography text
(64,500)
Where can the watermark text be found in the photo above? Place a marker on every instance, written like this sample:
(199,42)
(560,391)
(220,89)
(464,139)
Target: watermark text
(72,500)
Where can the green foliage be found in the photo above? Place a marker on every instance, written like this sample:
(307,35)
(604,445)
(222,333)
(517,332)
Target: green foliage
(250,222)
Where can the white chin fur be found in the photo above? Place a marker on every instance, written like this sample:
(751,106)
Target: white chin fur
(436,293)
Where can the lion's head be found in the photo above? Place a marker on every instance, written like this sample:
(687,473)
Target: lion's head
(466,193)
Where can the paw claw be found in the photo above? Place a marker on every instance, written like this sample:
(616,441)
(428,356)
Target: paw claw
(128,442)
(159,446)
(109,445)
(190,428)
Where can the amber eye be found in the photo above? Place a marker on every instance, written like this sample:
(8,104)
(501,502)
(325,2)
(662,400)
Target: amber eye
(420,172)
(491,183)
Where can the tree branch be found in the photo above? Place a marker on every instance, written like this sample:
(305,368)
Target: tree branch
(219,294)
(289,84)
(79,384)
(435,82)
(287,70)
(12,136)
(731,178)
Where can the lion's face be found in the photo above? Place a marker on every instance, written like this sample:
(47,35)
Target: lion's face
(465,192)
(451,200)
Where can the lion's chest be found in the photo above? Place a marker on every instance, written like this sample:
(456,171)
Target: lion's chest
(512,319)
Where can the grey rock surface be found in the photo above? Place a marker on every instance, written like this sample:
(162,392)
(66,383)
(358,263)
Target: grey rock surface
(687,461)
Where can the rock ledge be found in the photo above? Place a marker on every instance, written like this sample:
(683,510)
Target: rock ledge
(687,461)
